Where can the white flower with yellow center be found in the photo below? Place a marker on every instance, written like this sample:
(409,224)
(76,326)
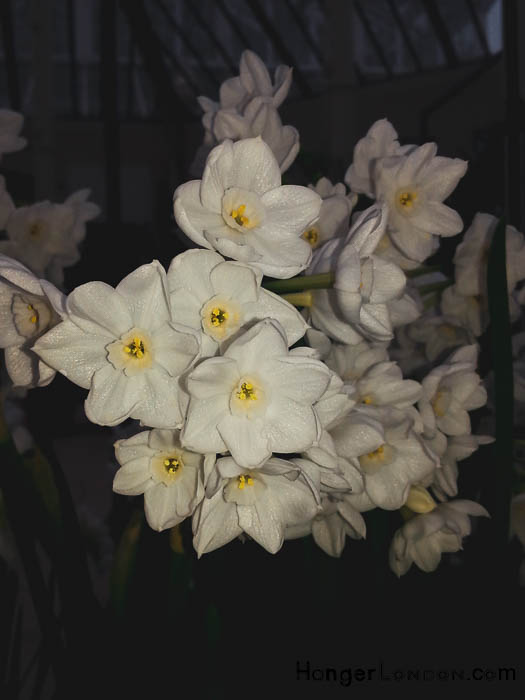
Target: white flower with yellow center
(261,503)
(334,217)
(220,299)
(240,209)
(45,236)
(391,456)
(123,346)
(26,312)
(256,399)
(10,126)
(439,333)
(423,539)
(414,187)
(172,479)
(450,391)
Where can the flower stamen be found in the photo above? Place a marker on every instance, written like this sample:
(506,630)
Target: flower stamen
(247,392)
(136,348)
(172,464)
(218,316)
(311,235)
(244,480)
(238,215)
(407,199)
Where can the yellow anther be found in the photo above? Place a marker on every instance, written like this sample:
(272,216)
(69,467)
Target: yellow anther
(367,400)
(244,480)
(135,348)
(218,316)
(407,199)
(376,453)
(34,317)
(238,215)
(247,392)
(172,464)
(311,235)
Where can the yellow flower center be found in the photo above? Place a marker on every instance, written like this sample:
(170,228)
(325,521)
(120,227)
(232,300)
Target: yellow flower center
(172,464)
(218,316)
(136,348)
(311,235)
(35,229)
(377,454)
(238,215)
(407,199)
(247,392)
(367,400)
(244,480)
(34,313)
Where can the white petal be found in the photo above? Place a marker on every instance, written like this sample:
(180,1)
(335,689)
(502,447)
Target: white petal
(190,214)
(97,307)
(245,439)
(113,396)
(146,295)
(159,506)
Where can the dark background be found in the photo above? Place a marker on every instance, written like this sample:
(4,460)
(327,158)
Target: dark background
(108,90)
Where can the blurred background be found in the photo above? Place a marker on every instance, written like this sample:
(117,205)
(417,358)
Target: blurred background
(108,90)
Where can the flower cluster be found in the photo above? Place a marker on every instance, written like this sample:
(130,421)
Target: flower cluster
(259,419)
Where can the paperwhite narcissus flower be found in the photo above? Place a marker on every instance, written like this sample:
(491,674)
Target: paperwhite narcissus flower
(254,400)
(259,118)
(414,187)
(383,385)
(439,333)
(423,539)
(260,502)
(392,457)
(332,525)
(46,236)
(10,126)
(123,346)
(466,309)
(471,260)
(26,313)
(352,361)
(240,209)
(356,306)
(380,141)
(334,217)
(253,81)
(220,299)
(154,463)
(450,391)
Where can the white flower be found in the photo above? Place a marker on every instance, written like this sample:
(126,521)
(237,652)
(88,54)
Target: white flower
(392,457)
(414,186)
(471,258)
(352,361)
(425,537)
(45,236)
(253,81)
(439,333)
(256,399)
(387,250)
(334,217)
(332,525)
(154,463)
(240,209)
(260,118)
(26,313)
(380,141)
(261,503)
(220,299)
(123,346)
(10,126)
(356,306)
(466,309)
(450,391)
(383,385)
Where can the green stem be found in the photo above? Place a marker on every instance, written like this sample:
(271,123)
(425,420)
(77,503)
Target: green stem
(424,270)
(323,280)
(435,287)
